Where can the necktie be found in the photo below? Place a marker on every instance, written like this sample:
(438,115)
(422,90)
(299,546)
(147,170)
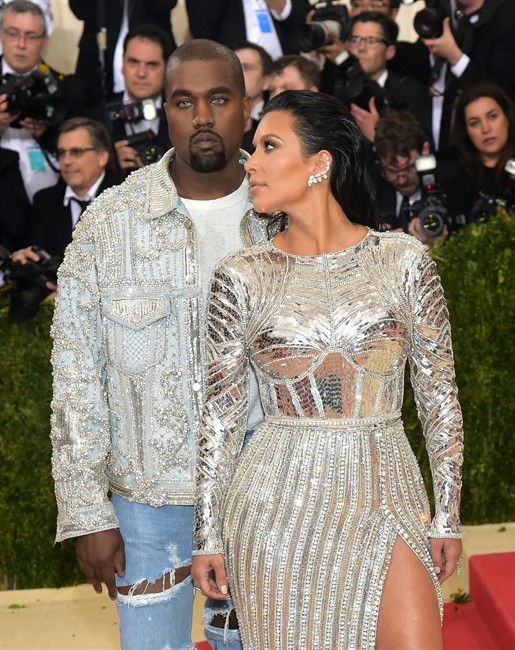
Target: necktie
(83,204)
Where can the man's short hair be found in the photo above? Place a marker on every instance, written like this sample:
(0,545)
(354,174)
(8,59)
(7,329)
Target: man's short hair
(150,33)
(389,27)
(202,49)
(266,59)
(397,134)
(98,133)
(308,70)
(23,7)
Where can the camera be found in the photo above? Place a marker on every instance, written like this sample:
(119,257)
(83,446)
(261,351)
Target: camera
(330,17)
(428,22)
(487,205)
(431,209)
(146,147)
(27,282)
(132,111)
(354,86)
(37,95)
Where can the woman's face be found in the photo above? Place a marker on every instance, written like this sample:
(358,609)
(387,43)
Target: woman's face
(279,168)
(487,127)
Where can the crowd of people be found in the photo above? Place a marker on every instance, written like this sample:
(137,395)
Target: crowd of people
(152,163)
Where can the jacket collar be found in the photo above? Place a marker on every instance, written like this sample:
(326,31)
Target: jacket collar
(161,195)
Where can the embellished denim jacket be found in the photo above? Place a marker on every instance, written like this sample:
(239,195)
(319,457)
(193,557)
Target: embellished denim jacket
(128,356)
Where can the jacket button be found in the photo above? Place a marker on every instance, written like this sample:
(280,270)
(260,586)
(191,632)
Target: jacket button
(196,387)
(190,279)
(187,223)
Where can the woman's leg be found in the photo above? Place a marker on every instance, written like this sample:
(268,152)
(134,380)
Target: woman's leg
(409,617)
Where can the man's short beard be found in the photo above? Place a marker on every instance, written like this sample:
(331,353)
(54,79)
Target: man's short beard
(208,164)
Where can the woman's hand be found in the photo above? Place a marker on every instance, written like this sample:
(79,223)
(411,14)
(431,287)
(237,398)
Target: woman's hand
(202,569)
(446,554)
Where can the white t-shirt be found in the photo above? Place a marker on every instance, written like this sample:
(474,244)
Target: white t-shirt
(218,225)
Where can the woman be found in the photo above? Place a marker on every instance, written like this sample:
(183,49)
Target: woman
(322,519)
(484,137)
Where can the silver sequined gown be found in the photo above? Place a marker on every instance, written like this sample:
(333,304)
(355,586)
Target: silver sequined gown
(308,512)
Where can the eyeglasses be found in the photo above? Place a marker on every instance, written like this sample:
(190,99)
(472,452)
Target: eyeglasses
(75,152)
(393,174)
(374,4)
(370,41)
(16,35)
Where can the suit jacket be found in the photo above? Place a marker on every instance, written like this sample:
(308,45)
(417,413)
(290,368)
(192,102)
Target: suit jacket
(224,21)
(14,204)
(153,12)
(51,226)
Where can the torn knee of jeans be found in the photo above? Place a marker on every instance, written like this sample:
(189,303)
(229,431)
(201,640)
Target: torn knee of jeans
(223,616)
(164,588)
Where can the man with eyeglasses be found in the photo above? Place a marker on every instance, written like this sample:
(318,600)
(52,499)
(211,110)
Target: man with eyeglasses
(23,36)
(398,143)
(83,150)
(372,44)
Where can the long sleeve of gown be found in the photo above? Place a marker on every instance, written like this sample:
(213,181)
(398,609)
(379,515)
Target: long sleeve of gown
(433,380)
(224,417)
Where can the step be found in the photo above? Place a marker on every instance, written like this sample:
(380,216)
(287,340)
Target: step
(492,587)
(464,629)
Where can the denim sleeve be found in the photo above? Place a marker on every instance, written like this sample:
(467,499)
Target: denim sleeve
(80,430)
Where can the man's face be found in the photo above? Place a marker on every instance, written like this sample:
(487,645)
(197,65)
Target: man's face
(372,56)
(402,173)
(23,40)
(255,81)
(143,69)
(206,113)
(80,164)
(383,6)
(287,79)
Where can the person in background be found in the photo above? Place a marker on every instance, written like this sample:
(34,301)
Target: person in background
(321,519)
(120,17)
(484,140)
(293,72)
(257,65)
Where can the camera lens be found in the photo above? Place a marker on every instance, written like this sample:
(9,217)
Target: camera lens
(432,222)
(428,23)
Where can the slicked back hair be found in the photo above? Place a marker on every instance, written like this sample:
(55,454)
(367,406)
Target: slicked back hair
(202,49)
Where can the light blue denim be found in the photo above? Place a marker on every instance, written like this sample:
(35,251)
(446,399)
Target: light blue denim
(157,541)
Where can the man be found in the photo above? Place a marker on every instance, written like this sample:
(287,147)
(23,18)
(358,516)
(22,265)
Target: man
(257,65)
(128,351)
(293,72)
(372,43)
(23,35)
(399,141)
(120,16)
(146,49)
(273,24)
(83,149)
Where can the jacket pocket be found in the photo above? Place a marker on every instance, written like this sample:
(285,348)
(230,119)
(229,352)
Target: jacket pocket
(135,329)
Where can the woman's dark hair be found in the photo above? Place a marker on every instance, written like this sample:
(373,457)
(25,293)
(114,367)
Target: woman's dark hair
(460,136)
(323,122)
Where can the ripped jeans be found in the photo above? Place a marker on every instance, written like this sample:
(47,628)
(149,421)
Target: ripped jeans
(157,542)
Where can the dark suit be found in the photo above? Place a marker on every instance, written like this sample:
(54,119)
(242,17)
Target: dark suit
(224,21)
(153,12)
(51,226)
(490,44)
(14,204)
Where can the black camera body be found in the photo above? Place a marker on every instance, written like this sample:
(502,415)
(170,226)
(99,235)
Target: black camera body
(488,205)
(145,143)
(28,281)
(36,95)
(354,86)
(330,17)
(431,209)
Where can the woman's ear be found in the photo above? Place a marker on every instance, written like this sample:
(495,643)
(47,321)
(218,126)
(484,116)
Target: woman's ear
(322,162)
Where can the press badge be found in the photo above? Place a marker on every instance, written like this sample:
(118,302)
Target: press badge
(37,159)
(265,26)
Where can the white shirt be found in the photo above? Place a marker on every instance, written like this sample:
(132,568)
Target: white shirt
(118,83)
(89,196)
(268,40)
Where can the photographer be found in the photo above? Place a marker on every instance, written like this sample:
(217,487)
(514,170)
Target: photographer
(364,82)
(399,141)
(479,47)
(83,151)
(145,51)
(293,72)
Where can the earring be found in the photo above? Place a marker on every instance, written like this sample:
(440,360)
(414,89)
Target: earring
(320,176)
